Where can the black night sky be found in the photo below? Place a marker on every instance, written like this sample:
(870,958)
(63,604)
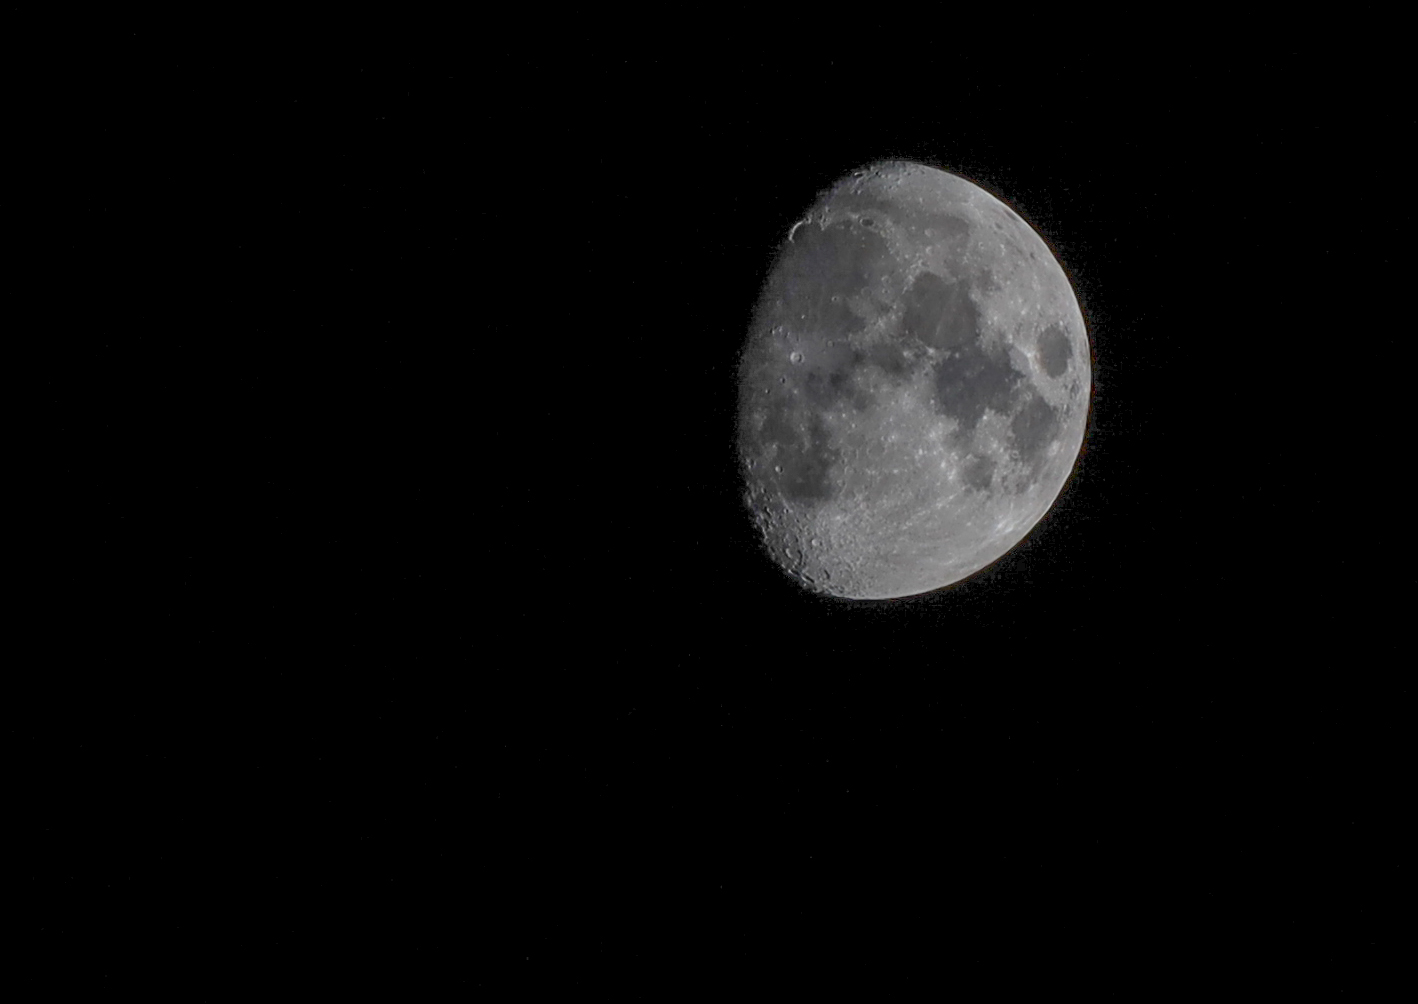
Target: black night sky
(420,620)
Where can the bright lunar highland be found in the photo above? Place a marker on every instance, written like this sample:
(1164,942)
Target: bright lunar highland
(914,389)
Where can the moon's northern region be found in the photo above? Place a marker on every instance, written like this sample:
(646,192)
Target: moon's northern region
(914,387)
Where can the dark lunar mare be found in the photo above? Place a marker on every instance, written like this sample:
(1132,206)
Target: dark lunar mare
(831,377)
(940,313)
(817,273)
(890,359)
(1033,427)
(804,457)
(970,380)
(1055,350)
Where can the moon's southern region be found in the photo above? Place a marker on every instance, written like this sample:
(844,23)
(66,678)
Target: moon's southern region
(914,387)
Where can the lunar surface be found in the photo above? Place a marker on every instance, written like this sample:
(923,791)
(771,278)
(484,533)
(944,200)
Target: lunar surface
(914,387)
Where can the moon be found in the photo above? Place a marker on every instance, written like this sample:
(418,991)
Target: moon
(914,386)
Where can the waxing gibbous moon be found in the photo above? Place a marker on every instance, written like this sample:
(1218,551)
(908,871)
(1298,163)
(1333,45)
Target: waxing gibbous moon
(914,387)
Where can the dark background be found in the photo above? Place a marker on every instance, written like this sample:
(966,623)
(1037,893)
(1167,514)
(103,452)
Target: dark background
(403,616)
